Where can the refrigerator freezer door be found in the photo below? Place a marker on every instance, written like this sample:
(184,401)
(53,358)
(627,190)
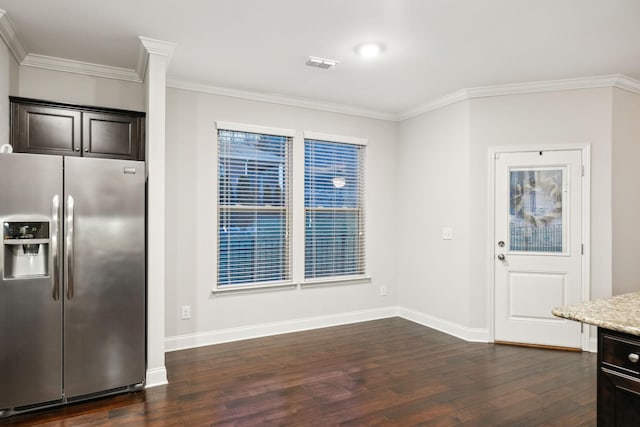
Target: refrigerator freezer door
(30,310)
(104,329)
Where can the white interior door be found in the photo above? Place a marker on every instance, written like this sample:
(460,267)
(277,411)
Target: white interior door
(538,246)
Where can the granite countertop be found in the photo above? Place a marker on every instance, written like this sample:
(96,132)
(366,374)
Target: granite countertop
(620,313)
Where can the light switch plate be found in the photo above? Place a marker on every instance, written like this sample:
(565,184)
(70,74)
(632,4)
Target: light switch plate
(185,312)
(447,233)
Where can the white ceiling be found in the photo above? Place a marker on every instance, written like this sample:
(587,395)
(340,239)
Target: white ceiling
(433,47)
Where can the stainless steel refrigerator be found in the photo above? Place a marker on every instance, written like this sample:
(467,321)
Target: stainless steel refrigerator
(72,279)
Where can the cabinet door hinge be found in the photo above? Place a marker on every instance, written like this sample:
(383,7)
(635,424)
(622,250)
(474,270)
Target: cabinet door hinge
(582,249)
(582,170)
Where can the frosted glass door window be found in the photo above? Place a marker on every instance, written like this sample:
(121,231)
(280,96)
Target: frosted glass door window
(536,218)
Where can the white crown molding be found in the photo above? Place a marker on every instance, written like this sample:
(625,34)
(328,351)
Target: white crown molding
(452,98)
(627,83)
(279,99)
(148,47)
(79,67)
(613,80)
(8,34)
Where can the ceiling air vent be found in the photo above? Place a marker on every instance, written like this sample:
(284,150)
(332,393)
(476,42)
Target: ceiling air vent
(324,63)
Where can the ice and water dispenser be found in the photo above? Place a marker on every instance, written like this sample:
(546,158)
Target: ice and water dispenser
(26,249)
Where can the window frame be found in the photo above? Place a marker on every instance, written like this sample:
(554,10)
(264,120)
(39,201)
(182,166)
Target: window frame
(287,209)
(360,210)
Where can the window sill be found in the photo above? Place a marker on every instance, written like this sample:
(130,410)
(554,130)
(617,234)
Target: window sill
(331,281)
(242,289)
(326,281)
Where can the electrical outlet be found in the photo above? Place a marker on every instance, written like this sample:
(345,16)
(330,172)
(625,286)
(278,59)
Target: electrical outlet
(186,312)
(383,290)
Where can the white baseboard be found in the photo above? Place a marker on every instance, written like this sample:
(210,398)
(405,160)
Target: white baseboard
(181,342)
(462,332)
(156,377)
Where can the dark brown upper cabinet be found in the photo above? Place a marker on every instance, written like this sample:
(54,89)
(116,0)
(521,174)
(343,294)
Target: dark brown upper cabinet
(44,127)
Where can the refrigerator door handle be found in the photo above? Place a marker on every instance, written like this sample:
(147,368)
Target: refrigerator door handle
(55,226)
(69,247)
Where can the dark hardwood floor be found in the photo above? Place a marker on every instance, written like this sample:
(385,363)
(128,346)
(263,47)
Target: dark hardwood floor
(389,372)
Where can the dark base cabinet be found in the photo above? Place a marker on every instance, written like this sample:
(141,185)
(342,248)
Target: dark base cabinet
(618,379)
(44,127)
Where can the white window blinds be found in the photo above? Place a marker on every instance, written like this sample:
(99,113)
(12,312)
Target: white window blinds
(253,208)
(334,209)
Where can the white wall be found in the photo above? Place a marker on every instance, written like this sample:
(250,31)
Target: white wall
(80,89)
(625,191)
(5,61)
(444,182)
(549,118)
(191,216)
(423,174)
(433,186)
(8,86)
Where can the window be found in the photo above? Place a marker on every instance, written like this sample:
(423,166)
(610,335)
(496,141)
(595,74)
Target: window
(334,213)
(253,207)
(535,209)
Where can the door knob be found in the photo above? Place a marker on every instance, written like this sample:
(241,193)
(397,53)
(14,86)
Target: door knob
(501,257)
(633,358)
(501,244)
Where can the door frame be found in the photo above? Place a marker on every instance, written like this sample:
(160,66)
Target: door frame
(585,149)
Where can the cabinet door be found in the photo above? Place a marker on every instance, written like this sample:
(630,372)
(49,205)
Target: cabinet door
(618,400)
(108,135)
(45,130)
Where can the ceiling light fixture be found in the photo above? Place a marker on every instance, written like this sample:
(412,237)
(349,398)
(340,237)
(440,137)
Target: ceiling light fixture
(323,63)
(369,50)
